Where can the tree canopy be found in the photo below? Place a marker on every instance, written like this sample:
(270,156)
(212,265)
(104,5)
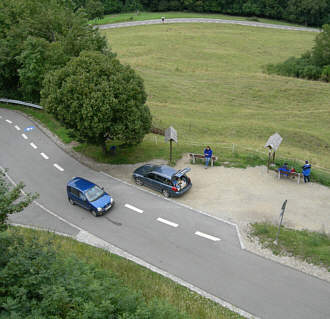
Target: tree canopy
(98,98)
(37,37)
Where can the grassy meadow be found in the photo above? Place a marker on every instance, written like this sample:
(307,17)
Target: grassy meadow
(207,81)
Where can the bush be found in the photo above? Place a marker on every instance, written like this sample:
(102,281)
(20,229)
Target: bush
(311,72)
(325,76)
(38,282)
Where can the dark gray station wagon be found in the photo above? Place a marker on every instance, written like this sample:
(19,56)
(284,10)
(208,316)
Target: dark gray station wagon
(163,178)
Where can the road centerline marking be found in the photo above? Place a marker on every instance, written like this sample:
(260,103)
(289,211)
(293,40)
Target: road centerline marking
(24,136)
(198,233)
(140,211)
(59,167)
(33,145)
(17,128)
(9,121)
(167,222)
(44,156)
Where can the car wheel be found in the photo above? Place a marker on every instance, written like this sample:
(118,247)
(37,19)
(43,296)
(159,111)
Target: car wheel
(138,181)
(166,193)
(93,212)
(71,201)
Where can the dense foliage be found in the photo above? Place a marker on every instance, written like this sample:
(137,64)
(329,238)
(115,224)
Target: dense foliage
(38,282)
(308,12)
(11,200)
(37,37)
(99,99)
(312,65)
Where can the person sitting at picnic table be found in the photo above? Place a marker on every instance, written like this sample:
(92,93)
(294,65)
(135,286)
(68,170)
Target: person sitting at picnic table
(307,172)
(284,169)
(292,171)
(207,154)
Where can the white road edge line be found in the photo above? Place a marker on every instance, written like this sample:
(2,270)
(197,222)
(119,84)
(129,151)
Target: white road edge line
(9,121)
(88,238)
(59,167)
(24,136)
(17,128)
(167,222)
(134,208)
(33,145)
(44,156)
(198,233)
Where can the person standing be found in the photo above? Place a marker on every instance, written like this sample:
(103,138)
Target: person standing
(207,154)
(307,172)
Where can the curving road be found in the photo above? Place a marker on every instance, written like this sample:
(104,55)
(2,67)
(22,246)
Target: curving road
(192,248)
(204,20)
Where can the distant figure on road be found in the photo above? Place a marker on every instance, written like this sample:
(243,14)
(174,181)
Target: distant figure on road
(307,172)
(207,154)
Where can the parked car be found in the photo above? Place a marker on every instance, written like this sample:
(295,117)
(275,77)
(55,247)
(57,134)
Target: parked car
(164,179)
(89,196)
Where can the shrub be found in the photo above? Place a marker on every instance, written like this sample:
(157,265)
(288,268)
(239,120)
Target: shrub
(325,76)
(38,282)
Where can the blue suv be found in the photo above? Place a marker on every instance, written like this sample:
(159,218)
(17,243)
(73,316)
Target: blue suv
(89,196)
(163,178)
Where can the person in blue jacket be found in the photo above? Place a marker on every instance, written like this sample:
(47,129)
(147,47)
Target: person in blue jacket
(307,172)
(207,154)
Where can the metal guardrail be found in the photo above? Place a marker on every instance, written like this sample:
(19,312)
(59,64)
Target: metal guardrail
(21,103)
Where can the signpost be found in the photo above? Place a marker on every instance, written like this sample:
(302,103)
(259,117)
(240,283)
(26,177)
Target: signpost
(171,135)
(273,144)
(281,218)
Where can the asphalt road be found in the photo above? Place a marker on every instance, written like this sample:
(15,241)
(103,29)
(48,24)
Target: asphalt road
(193,247)
(205,20)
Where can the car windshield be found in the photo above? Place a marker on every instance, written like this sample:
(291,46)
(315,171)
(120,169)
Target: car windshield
(94,193)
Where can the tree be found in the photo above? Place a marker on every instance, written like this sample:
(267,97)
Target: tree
(321,49)
(11,200)
(36,37)
(99,99)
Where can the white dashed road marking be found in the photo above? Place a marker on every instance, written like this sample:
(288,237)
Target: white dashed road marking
(33,145)
(44,155)
(17,128)
(59,167)
(24,136)
(198,233)
(10,122)
(167,222)
(134,208)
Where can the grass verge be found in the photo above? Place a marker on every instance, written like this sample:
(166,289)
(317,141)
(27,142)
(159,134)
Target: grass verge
(312,247)
(140,16)
(140,279)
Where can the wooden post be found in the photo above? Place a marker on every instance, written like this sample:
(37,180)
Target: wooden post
(171,150)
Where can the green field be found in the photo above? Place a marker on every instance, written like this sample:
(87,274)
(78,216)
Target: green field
(207,81)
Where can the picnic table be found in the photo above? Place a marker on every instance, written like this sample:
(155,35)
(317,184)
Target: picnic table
(288,174)
(201,156)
